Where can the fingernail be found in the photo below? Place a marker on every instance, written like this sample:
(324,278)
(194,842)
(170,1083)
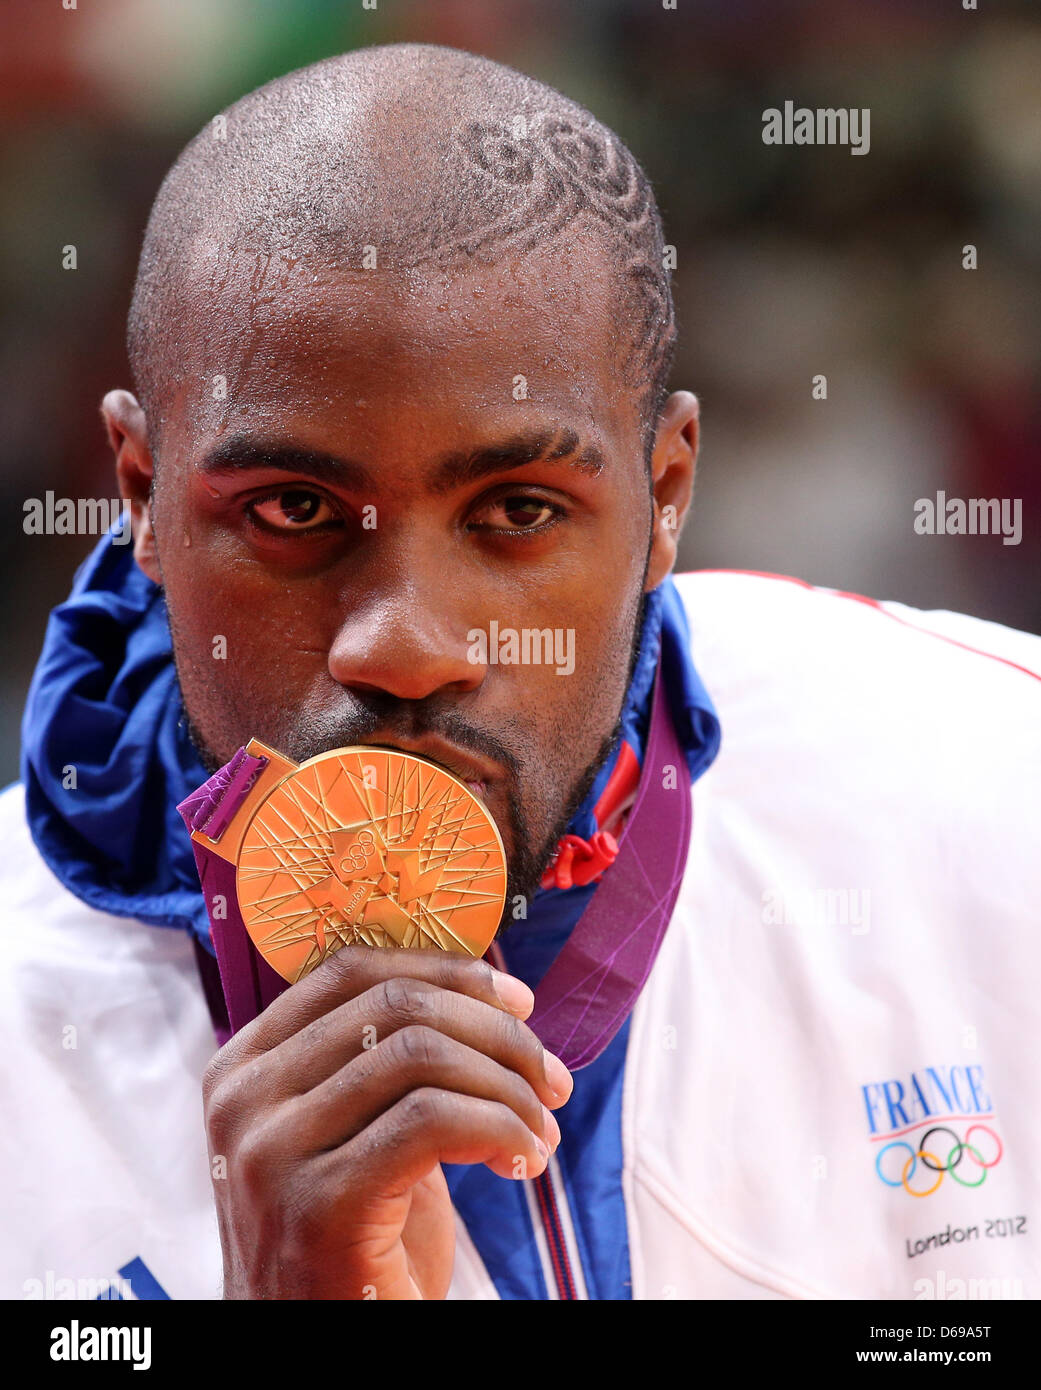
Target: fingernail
(543,1151)
(557,1075)
(513,993)
(552,1128)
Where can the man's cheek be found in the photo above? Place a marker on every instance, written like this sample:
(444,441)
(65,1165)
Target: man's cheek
(234,632)
(239,681)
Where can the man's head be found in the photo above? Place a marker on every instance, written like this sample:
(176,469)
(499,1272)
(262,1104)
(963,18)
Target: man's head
(400,336)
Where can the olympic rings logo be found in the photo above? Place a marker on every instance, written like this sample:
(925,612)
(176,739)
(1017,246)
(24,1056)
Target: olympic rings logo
(358,853)
(902,1172)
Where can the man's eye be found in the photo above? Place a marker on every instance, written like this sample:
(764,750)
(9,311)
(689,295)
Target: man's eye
(518,514)
(291,510)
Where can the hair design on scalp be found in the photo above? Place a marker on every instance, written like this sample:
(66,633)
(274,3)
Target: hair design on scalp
(569,169)
(434,155)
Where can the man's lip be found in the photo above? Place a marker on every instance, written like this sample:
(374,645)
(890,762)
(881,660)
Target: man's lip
(459,763)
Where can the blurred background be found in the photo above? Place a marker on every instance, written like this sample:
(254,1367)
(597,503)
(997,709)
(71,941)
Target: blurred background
(792,260)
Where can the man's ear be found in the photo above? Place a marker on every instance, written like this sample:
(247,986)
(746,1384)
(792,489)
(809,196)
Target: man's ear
(672,475)
(128,435)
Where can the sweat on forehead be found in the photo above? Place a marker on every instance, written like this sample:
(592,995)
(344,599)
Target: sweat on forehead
(401,158)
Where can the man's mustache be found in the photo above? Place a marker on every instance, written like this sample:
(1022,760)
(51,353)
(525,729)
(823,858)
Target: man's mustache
(387,719)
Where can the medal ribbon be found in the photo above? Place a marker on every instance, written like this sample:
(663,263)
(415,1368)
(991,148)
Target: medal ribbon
(590,989)
(248,983)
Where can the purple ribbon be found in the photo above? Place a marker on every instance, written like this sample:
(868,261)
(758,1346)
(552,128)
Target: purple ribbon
(590,989)
(247,981)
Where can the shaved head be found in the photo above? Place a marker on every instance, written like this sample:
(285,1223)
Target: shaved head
(388,160)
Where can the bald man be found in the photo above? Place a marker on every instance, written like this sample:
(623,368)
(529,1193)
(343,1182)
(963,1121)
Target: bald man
(752,1025)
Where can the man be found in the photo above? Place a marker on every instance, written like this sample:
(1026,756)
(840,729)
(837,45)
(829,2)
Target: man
(400,339)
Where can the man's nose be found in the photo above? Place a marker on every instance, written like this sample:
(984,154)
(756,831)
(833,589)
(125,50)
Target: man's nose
(411,645)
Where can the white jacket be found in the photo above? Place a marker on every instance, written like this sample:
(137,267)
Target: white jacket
(855,942)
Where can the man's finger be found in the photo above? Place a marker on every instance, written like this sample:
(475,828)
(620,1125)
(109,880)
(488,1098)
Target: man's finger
(350,972)
(413,1059)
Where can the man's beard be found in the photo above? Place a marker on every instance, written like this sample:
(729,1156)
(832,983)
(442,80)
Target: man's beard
(526,865)
(524,874)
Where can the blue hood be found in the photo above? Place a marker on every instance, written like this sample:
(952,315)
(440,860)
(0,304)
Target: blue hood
(106,756)
(105,750)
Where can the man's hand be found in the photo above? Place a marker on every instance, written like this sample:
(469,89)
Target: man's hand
(336,1107)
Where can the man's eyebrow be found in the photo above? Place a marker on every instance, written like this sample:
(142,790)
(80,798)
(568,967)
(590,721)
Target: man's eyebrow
(240,452)
(546,446)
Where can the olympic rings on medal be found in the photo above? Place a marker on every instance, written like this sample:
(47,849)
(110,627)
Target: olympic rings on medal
(932,1161)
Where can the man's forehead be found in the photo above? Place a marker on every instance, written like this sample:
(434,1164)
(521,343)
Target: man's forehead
(566,279)
(290,340)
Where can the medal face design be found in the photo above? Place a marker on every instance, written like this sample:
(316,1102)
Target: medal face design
(373,846)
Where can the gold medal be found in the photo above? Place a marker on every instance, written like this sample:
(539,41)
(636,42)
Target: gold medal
(366,845)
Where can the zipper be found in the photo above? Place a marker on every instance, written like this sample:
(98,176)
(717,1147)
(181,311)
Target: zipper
(550,1215)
